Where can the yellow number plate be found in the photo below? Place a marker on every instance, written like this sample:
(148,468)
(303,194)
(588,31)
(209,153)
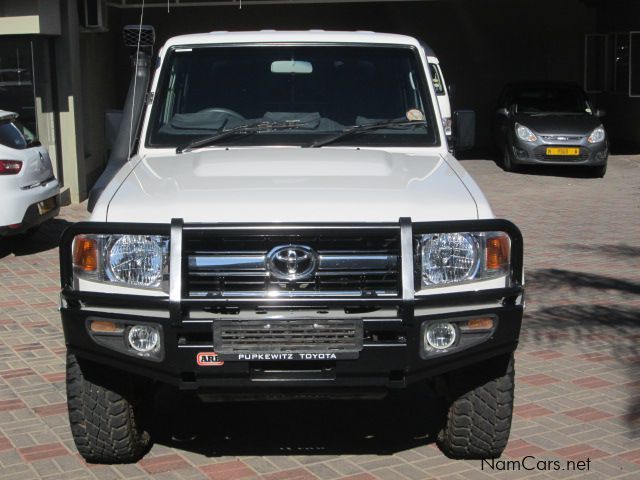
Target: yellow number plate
(563,151)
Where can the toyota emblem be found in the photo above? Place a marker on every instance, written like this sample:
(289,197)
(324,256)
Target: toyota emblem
(292,262)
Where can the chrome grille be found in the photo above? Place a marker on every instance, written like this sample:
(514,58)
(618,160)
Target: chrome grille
(561,138)
(351,265)
(290,336)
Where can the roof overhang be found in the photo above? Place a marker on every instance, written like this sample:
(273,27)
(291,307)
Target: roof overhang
(168,4)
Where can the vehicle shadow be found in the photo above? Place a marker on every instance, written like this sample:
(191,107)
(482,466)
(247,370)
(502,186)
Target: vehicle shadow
(46,237)
(621,250)
(566,171)
(614,328)
(556,278)
(402,421)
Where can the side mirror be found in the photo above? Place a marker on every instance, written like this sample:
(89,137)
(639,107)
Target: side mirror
(503,111)
(464,129)
(601,113)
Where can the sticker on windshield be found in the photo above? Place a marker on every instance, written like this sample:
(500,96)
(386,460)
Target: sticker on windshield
(415,115)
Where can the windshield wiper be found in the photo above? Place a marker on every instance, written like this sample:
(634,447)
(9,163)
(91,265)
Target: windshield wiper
(363,128)
(249,128)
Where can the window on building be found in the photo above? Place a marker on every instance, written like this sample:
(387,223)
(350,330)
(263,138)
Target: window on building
(612,63)
(634,64)
(621,63)
(16,79)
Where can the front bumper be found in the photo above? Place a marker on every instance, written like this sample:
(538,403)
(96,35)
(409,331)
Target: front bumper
(535,153)
(390,358)
(21,207)
(380,364)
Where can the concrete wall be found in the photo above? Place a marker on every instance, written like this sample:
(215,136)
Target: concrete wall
(99,95)
(69,95)
(39,17)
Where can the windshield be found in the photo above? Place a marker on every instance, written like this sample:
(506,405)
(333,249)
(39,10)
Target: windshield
(317,90)
(567,100)
(15,135)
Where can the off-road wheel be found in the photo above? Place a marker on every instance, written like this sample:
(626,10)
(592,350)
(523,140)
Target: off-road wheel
(105,419)
(479,411)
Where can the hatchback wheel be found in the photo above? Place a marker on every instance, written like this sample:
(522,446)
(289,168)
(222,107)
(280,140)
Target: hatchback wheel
(599,171)
(507,160)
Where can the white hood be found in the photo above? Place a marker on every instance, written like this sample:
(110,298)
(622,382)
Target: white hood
(291,185)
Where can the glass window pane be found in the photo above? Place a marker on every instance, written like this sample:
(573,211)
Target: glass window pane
(323,89)
(16,80)
(621,60)
(10,136)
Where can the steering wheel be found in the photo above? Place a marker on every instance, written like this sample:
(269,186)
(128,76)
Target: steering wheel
(226,111)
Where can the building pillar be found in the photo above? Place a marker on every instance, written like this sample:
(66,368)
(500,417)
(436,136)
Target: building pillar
(69,94)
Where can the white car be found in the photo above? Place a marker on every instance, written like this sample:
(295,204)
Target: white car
(29,191)
(292,225)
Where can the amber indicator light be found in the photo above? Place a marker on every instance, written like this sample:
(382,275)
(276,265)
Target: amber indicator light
(85,253)
(498,252)
(477,324)
(104,327)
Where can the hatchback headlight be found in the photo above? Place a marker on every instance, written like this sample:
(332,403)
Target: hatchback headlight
(126,260)
(453,258)
(597,135)
(525,133)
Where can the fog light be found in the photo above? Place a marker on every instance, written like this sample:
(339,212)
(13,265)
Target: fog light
(144,338)
(440,335)
(521,154)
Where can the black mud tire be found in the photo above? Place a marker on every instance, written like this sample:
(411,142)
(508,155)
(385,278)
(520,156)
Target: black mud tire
(105,424)
(480,408)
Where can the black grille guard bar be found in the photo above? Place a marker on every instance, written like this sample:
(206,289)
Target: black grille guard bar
(176,301)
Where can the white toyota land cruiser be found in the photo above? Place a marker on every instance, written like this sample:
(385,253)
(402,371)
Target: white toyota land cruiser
(289,225)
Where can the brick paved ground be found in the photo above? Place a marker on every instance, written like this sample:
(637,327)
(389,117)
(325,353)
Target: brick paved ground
(578,367)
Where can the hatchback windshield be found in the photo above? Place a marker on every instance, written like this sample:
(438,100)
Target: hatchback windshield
(560,100)
(15,135)
(292,95)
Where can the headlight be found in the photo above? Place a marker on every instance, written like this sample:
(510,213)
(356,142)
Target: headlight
(448,257)
(126,260)
(453,258)
(135,260)
(525,133)
(597,135)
